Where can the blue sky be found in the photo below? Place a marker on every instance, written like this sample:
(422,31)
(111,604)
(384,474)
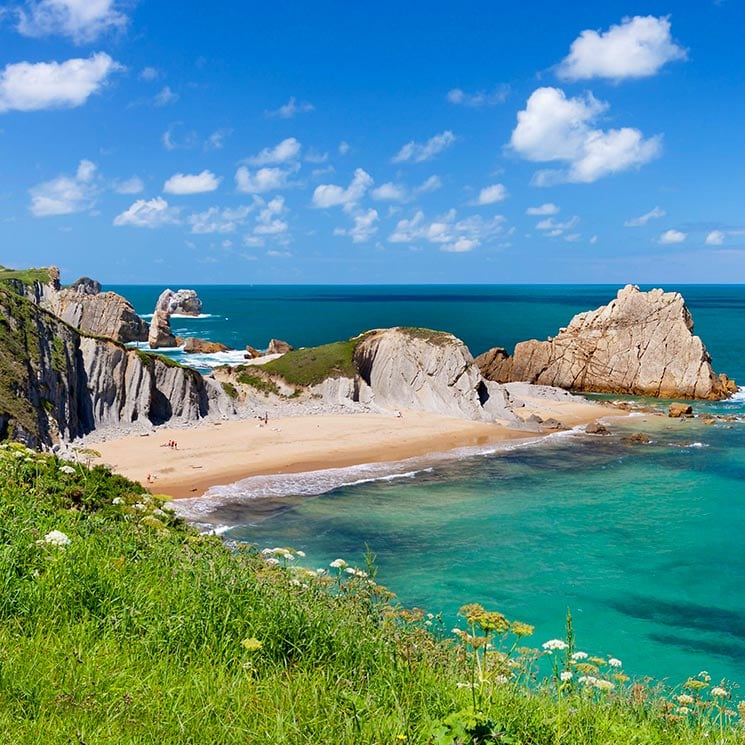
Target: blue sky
(334,142)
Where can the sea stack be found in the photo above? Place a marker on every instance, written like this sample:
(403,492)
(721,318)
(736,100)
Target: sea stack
(641,343)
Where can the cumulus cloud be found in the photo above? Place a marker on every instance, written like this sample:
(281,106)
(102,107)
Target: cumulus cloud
(132,185)
(26,86)
(417,152)
(553,127)
(263,180)
(549,208)
(715,238)
(492,194)
(449,233)
(672,236)
(331,195)
(80,20)
(65,195)
(479,99)
(642,220)
(187,183)
(287,150)
(290,109)
(392,192)
(636,48)
(216,220)
(364,227)
(154,213)
(268,222)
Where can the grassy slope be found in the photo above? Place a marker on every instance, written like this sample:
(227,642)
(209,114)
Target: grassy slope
(315,364)
(25,276)
(141,631)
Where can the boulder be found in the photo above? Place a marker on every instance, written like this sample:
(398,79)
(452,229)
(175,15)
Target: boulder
(181,302)
(251,353)
(192,345)
(596,428)
(640,343)
(86,286)
(276,346)
(677,410)
(160,334)
(402,368)
(639,438)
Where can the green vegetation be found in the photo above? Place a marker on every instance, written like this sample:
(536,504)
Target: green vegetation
(311,366)
(118,624)
(230,389)
(24,276)
(147,357)
(249,375)
(439,338)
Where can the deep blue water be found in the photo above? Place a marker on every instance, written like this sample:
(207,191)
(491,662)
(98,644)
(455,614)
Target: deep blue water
(643,543)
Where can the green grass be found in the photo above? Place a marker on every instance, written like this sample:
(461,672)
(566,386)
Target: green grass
(439,338)
(229,389)
(140,631)
(24,276)
(305,367)
(250,375)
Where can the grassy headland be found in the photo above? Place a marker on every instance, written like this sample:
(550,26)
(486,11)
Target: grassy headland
(119,624)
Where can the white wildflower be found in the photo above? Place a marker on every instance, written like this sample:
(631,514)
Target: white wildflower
(139,506)
(719,692)
(684,710)
(614,662)
(553,644)
(579,656)
(338,564)
(301,554)
(267,551)
(604,685)
(287,556)
(117,500)
(566,675)
(272,561)
(589,680)
(684,699)
(55,538)
(501,679)
(67,469)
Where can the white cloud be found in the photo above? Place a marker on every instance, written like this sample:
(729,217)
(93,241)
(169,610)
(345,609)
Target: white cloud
(290,109)
(313,156)
(480,98)
(417,152)
(165,97)
(637,48)
(492,194)
(331,195)
(549,208)
(638,222)
(188,183)
(268,222)
(715,238)
(553,127)
(81,20)
(263,180)
(390,192)
(364,227)
(65,195)
(186,140)
(553,228)
(433,183)
(343,147)
(287,150)
(154,213)
(132,185)
(46,85)
(149,74)
(216,220)
(216,141)
(672,236)
(446,231)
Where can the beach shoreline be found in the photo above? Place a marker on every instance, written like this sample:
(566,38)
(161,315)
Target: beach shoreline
(213,454)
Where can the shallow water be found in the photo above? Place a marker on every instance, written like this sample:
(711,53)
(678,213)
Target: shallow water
(642,542)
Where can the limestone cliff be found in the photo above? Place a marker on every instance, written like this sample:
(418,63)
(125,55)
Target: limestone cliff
(424,370)
(640,343)
(58,384)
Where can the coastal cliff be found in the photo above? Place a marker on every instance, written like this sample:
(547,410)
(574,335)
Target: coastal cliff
(58,384)
(641,343)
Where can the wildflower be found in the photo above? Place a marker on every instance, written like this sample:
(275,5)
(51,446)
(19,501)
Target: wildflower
(521,629)
(684,699)
(589,680)
(501,679)
(287,556)
(579,656)
(401,738)
(741,709)
(355,572)
(117,500)
(604,685)
(67,469)
(272,561)
(565,676)
(301,554)
(267,551)
(252,644)
(553,644)
(338,564)
(55,538)
(683,710)
(614,662)
(695,685)
(719,692)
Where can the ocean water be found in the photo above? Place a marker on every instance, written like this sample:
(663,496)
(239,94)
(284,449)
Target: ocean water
(644,543)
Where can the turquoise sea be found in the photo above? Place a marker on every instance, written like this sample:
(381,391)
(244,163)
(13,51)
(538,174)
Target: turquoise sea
(645,543)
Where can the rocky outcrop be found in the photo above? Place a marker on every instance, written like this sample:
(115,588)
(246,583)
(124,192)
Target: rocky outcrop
(99,313)
(424,370)
(640,343)
(192,345)
(181,302)
(277,346)
(58,384)
(86,286)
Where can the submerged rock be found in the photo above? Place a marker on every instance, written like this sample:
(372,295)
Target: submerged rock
(677,411)
(640,343)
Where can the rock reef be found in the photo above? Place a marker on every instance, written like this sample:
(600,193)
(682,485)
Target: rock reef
(641,343)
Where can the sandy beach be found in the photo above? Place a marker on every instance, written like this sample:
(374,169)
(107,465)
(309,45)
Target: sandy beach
(214,453)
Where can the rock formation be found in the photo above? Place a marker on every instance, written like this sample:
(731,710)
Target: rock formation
(183,302)
(426,370)
(640,343)
(56,383)
(277,346)
(192,345)
(160,334)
